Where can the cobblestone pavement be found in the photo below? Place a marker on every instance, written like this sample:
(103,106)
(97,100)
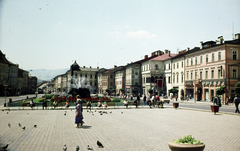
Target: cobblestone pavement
(135,130)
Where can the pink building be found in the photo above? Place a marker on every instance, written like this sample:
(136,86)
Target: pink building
(206,68)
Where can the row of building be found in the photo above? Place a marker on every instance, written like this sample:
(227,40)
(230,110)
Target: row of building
(13,80)
(196,72)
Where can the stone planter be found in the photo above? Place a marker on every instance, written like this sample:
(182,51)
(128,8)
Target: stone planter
(186,147)
(214,108)
(175,105)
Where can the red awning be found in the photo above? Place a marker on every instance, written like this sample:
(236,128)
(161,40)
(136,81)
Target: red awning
(127,86)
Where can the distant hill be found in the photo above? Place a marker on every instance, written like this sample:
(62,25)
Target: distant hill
(47,74)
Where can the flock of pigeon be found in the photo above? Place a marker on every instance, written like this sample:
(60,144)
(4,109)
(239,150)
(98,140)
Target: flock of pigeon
(65,147)
(100,145)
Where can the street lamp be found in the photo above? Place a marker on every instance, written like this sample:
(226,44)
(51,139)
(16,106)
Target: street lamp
(5,88)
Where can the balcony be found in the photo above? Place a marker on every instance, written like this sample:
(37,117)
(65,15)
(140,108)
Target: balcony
(189,83)
(197,81)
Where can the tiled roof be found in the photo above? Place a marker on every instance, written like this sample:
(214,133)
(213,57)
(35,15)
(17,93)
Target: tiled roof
(164,57)
(3,58)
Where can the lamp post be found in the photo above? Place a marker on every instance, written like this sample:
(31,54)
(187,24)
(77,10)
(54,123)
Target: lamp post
(5,89)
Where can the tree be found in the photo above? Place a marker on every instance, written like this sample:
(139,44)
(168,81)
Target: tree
(237,87)
(220,91)
(150,91)
(173,90)
(110,90)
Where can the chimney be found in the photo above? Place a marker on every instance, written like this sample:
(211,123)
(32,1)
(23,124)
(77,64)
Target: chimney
(166,51)
(153,54)
(83,66)
(237,36)
(115,66)
(201,44)
(97,67)
(90,66)
(169,53)
(220,40)
(146,56)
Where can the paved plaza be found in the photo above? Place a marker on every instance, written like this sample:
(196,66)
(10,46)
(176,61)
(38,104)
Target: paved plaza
(132,129)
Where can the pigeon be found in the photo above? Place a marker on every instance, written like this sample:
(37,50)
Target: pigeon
(110,112)
(35,126)
(5,147)
(24,128)
(89,148)
(95,111)
(71,109)
(2,110)
(9,125)
(27,113)
(99,144)
(64,113)
(7,112)
(77,148)
(65,148)
(87,110)
(92,114)
(122,112)
(19,125)
(101,114)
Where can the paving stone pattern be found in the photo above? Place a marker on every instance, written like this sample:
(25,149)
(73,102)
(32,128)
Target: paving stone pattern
(134,130)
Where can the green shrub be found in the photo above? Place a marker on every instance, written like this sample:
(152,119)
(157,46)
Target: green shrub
(187,140)
(116,100)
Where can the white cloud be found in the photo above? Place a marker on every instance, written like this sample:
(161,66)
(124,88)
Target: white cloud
(140,34)
(116,33)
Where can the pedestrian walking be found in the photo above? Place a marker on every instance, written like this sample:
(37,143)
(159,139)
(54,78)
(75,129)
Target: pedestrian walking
(144,98)
(89,105)
(31,103)
(136,103)
(44,104)
(153,100)
(55,104)
(236,101)
(125,103)
(149,103)
(217,101)
(78,113)
(138,98)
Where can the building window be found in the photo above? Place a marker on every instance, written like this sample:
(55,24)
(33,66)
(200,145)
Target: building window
(191,61)
(156,67)
(200,74)
(191,75)
(234,55)
(174,66)
(182,64)
(206,76)
(234,73)
(212,74)
(219,56)
(169,66)
(187,62)
(195,60)
(169,79)
(85,75)
(165,67)
(212,57)
(187,75)
(200,59)
(206,58)
(91,76)
(182,78)
(111,76)
(111,84)
(177,65)
(91,83)
(219,73)
(80,75)
(173,78)
(177,78)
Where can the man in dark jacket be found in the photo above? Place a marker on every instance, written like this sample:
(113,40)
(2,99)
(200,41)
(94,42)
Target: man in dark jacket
(44,104)
(236,101)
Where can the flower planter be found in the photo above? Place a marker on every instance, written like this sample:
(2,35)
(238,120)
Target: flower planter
(186,147)
(214,108)
(175,105)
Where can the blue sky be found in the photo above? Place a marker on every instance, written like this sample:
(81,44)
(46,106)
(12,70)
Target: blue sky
(50,34)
